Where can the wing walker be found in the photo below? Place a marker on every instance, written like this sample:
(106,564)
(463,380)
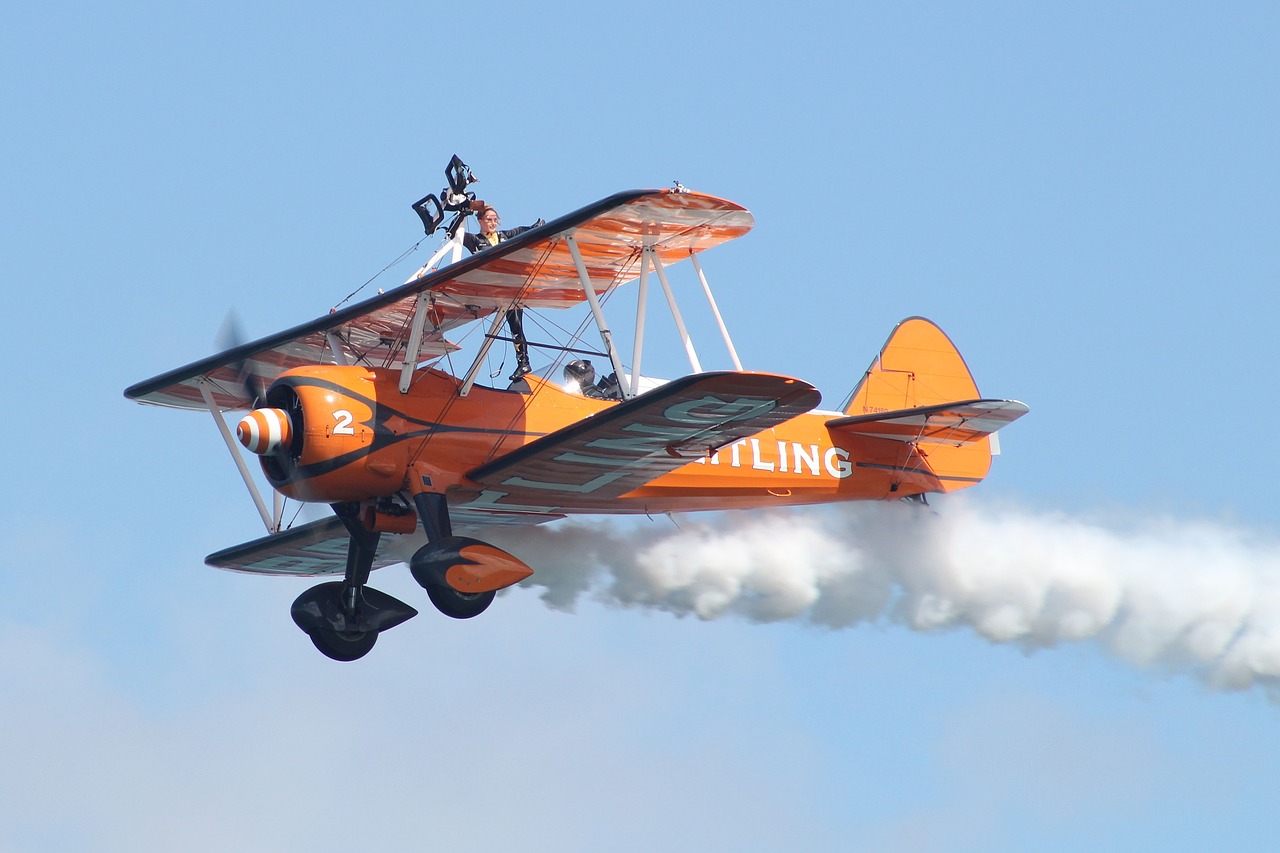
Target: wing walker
(354,410)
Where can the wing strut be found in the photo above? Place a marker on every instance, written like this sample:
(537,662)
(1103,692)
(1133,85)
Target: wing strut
(415,341)
(675,312)
(715,309)
(642,299)
(605,334)
(335,347)
(454,245)
(277,509)
(235,454)
(489,338)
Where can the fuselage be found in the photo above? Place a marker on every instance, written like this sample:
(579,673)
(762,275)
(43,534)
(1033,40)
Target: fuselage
(361,438)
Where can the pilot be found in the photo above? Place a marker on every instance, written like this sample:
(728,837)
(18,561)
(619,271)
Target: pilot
(490,236)
(609,387)
(581,373)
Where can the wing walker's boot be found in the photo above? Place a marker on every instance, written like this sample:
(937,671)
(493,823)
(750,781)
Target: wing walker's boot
(522,362)
(515,322)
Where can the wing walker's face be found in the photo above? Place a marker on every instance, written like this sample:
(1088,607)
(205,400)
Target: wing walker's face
(489,222)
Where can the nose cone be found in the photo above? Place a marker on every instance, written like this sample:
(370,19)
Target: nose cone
(265,431)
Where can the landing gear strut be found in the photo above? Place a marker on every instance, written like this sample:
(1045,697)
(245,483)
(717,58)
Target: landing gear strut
(343,619)
(461,576)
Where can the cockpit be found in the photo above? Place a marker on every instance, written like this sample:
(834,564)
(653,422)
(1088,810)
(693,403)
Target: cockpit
(580,377)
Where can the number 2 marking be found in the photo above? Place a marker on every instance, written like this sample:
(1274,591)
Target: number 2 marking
(343,427)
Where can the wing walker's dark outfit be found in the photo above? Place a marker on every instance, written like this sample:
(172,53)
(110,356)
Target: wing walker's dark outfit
(515,316)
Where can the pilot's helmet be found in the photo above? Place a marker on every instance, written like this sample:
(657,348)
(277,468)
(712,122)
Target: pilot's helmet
(580,371)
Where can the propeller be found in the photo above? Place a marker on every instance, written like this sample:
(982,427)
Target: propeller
(229,337)
(263,431)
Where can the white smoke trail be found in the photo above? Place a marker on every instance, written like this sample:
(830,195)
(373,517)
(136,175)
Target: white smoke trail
(1201,598)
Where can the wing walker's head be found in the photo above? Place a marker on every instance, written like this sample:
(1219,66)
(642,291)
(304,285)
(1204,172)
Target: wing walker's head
(489,220)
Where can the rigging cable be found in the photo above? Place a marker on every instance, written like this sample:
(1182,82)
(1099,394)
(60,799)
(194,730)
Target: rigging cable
(406,253)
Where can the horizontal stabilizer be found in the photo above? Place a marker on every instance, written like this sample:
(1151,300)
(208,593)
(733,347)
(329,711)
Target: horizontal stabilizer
(585,466)
(956,424)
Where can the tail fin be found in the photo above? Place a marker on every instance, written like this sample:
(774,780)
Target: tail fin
(919,391)
(917,366)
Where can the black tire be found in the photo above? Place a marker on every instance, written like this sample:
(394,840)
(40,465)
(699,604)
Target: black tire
(344,646)
(459,605)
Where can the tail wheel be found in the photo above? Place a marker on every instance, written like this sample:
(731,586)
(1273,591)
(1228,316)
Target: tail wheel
(343,645)
(458,605)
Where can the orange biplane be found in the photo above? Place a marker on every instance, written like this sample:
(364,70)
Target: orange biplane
(351,410)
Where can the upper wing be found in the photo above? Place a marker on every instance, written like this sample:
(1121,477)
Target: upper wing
(535,268)
(958,423)
(586,465)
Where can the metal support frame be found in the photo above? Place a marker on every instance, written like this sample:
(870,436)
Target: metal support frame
(454,245)
(649,259)
(415,341)
(362,547)
(605,335)
(235,454)
(335,348)
(498,316)
(433,509)
(715,309)
(675,314)
(642,299)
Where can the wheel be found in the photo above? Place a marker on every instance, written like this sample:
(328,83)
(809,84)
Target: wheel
(459,605)
(343,646)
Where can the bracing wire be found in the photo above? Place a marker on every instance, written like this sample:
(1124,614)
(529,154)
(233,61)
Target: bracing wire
(406,253)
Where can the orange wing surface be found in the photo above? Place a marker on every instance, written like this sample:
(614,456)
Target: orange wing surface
(587,465)
(534,269)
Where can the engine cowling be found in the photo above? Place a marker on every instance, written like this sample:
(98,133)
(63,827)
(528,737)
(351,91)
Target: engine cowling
(320,437)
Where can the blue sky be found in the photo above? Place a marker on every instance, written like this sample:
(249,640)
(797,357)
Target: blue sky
(1083,196)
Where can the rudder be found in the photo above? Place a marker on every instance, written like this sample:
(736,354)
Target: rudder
(917,366)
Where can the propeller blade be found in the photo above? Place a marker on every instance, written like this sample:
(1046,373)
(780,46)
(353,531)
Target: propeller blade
(229,337)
